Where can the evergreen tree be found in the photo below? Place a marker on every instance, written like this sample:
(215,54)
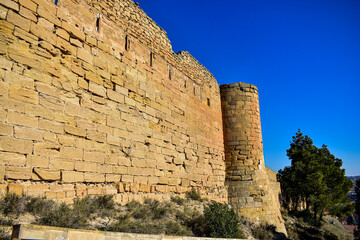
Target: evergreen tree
(357,191)
(357,207)
(315,178)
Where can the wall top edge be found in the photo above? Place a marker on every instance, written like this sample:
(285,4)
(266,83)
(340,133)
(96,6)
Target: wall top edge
(238,85)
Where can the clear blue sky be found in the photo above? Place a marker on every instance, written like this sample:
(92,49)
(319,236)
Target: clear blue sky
(303,55)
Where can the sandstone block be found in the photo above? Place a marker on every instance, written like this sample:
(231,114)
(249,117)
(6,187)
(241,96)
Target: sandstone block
(94,191)
(76,110)
(163,180)
(47,174)
(72,176)
(47,149)
(48,16)
(127,178)
(10,4)
(47,89)
(64,118)
(16,188)
(26,13)
(94,177)
(15,145)
(20,80)
(77,70)
(22,119)
(75,131)
(114,140)
(161,188)
(28,133)
(93,156)
(42,32)
(65,46)
(25,35)
(15,172)
(112,178)
(85,166)
(134,187)
(63,34)
(3,12)
(44,23)
(84,55)
(6,129)
(90,40)
(37,161)
(97,89)
(51,126)
(5,63)
(96,136)
(73,31)
(13,159)
(71,153)
(61,163)
(48,136)
(76,42)
(120,170)
(144,188)
(38,76)
(29,4)
(23,94)
(18,20)
(115,96)
(93,77)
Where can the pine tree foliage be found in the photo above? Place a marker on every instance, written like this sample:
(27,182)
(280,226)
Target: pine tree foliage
(357,208)
(315,180)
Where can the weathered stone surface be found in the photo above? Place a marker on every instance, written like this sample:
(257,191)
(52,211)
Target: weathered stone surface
(11,144)
(47,175)
(72,176)
(117,111)
(243,131)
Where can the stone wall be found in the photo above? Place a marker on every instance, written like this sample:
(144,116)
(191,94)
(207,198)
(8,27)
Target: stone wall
(94,101)
(249,188)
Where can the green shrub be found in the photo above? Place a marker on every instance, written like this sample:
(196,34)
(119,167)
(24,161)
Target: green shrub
(6,221)
(193,194)
(13,204)
(157,209)
(222,221)
(4,235)
(63,215)
(198,225)
(102,206)
(263,231)
(178,200)
(39,205)
(175,228)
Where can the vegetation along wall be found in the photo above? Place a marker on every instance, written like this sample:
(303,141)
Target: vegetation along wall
(94,101)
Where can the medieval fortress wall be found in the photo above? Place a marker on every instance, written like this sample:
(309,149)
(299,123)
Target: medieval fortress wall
(94,101)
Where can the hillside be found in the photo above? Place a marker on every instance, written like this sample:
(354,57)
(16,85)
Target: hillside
(352,193)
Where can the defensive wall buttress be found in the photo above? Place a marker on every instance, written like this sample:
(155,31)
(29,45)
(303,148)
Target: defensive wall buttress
(94,101)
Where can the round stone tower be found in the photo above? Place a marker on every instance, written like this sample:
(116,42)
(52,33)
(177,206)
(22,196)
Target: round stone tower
(249,189)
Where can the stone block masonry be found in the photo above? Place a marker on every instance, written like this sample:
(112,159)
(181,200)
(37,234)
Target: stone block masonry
(249,187)
(94,101)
